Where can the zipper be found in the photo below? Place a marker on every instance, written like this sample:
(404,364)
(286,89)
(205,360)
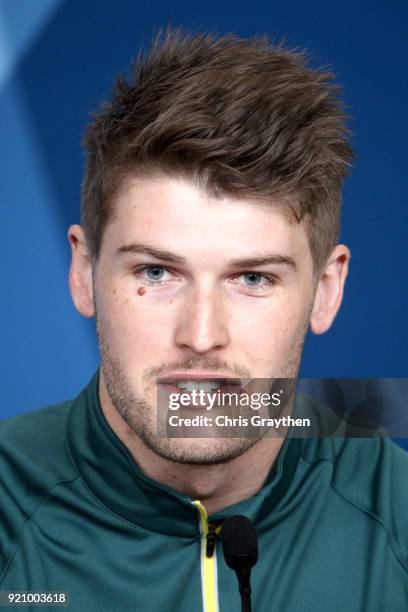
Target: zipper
(211,539)
(208,558)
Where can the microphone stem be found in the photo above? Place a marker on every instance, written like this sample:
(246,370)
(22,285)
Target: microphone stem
(246,601)
(244,581)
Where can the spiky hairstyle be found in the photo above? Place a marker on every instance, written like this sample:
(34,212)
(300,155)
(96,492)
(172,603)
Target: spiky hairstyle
(240,117)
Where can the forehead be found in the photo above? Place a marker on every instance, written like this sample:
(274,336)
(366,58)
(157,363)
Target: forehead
(174,214)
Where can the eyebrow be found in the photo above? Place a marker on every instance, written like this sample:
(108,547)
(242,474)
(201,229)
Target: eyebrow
(144,249)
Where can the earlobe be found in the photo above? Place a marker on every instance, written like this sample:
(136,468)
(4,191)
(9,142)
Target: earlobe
(80,274)
(329,291)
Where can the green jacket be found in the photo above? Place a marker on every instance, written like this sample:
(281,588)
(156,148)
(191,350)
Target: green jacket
(78,515)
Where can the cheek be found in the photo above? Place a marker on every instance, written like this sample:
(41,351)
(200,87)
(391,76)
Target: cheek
(267,315)
(270,326)
(132,324)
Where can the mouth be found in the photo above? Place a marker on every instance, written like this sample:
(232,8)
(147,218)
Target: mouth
(194,383)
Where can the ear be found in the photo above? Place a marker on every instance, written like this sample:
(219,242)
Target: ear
(329,291)
(80,274)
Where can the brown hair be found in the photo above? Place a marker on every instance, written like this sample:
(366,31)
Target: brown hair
(242,117)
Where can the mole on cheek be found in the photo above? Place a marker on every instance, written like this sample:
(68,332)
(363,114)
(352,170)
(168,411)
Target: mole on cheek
(141,290)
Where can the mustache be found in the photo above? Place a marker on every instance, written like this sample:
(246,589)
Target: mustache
(205,365)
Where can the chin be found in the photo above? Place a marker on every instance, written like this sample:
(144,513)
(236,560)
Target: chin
(200,451)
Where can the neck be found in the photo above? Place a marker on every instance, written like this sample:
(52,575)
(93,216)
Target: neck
(216,486)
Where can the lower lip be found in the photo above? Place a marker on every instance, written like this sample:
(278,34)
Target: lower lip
(228,388)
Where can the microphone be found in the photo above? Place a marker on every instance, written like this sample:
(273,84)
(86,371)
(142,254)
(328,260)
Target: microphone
(240,547)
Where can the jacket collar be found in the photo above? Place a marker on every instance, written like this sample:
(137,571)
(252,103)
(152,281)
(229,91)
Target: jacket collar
(111,473)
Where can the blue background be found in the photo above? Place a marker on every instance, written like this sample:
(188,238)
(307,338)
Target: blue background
(58,59)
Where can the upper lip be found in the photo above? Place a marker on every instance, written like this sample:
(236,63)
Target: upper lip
(185,376)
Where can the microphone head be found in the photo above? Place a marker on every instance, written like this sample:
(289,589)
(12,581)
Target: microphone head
(239,542)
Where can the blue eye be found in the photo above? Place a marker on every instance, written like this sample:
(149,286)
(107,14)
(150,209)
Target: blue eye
(253,278)
(154,273)
(256,281)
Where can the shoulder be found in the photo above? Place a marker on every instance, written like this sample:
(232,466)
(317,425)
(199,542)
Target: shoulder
(371,472)
(33,459)
(368,468)
(36,439)
(372,475)
(33,446)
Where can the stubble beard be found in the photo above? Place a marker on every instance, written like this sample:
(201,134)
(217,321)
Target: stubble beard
(141,416)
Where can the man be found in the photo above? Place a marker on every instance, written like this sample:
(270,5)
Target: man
(208,246)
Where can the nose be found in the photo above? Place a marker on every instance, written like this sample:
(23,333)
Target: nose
(202,326)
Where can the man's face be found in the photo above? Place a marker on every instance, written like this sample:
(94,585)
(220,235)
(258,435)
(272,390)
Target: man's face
(193,306)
